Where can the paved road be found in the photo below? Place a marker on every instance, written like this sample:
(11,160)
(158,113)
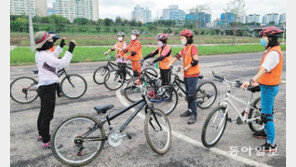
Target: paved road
(185,150)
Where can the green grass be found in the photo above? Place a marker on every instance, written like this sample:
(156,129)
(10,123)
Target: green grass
(23,55)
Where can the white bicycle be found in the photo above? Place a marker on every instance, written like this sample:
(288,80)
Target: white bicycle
(216,121)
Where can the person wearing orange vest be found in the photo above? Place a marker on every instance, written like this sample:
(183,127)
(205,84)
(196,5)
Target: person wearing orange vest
(119,46)
(164,58)
(191,69)
(135,53)
(268,77)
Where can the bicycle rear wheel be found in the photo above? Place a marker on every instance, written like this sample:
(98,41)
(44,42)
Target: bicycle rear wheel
(214,126)
(73,86)
(168,101)
(99,75)
(114,80)
(206,95)
(70,147)
(24,90)
(132,90)
(152,73)
(158,131)
(256,126)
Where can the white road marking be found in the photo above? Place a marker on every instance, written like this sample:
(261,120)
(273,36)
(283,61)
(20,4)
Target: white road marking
(197,143)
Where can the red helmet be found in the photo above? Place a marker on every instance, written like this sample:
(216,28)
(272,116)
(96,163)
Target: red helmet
(270,31)
(161,36)
(186,33)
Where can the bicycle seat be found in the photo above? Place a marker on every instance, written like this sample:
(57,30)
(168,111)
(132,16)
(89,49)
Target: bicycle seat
(200,76)
(254,89)
(35,71)
(103,109)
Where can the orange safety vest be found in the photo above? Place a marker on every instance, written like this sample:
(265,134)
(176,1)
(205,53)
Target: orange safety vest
(187,60)
(138,55)
(52,49)
(273,77)
(163,64)
(120,45)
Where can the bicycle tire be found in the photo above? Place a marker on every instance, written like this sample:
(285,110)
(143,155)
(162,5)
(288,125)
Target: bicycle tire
(171,88)
(96,80)
(148,137)
(151,72)
(251,112)
(107,77)
(13,96)
(53,141)
(206,124)
(199,104)
(79,95)
(129,86)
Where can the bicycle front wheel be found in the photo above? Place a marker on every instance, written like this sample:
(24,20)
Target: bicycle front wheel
(99,75)
(73,86)
(206,95)
(168,100)
(71,146)
(152,73)
(132,90)
(114,80)
(158,131)
(214,126)
(24,90)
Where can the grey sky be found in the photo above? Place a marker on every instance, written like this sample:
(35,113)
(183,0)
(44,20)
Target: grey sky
(123,8)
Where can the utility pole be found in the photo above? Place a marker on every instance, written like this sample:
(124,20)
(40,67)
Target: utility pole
(284,33)
(30,26)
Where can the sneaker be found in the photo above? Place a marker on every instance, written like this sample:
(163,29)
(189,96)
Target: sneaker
(39,138)
(267,148)
(60,94)
(261,135)
(187,113)
(192,119)
(46,145)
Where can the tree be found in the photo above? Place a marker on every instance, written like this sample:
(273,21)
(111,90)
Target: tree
(108,22)
(82,21)
(237,8)
(118,21)
(20,25)
(58,21)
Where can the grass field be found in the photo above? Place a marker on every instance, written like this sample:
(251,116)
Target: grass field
(23,55)
(87,39)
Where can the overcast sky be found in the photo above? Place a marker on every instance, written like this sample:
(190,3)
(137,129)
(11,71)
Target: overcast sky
(123,8)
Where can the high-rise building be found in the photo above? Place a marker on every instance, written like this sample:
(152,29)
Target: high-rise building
(173,13)
(140,14)
(73,9)
(270,18)
(227,18)
(20,7)
(51,11)
(202,18)
(282,19)
(253,18)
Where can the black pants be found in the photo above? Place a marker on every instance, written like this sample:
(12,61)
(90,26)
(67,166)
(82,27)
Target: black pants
(122,66)
(165,75)
(47,96)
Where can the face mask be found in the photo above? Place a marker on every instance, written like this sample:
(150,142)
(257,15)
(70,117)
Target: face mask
(133,37)
(160,44)
(263,42)
(183,41)
(120,38)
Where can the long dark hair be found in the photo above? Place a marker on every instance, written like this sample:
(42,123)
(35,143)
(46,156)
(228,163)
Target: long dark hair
(189,40)
(164,41)
(272,41)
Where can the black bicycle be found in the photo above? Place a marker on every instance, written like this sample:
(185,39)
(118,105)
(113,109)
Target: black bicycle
(114,79)
(80,139)
(206,92)
(24,89)
(164,97)
(101,72)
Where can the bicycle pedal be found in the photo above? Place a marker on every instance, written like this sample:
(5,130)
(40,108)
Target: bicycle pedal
(180,94)
(229,119)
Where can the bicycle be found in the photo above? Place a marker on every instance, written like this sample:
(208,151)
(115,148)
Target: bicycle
(250,115)
(206,91)
(101,72)
(80,139)
(24,89)
(164,97)
(114,79)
